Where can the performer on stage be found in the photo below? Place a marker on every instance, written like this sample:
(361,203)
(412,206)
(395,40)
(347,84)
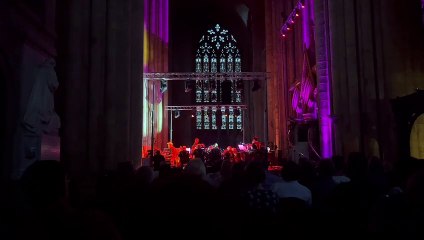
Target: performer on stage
(175,160)
(195,145)
(256,143)
(197,148)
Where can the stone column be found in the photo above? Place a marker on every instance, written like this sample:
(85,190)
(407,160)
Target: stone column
(277,90)
(323,62)
(100,64)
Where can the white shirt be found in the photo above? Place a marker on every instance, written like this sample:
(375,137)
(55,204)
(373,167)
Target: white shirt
(293,189)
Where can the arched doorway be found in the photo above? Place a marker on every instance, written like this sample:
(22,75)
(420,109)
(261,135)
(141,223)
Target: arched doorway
(417,138)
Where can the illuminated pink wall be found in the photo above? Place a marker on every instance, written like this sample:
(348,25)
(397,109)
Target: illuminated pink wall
(155,59)
(322,42)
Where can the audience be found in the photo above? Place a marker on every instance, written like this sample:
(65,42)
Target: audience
(238,198)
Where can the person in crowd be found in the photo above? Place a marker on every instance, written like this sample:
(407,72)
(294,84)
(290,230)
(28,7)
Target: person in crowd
(340,168)
(158,159)
(260,201)
(289,187)
(48,214)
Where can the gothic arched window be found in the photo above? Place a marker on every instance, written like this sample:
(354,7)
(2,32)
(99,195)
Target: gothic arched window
(218,52)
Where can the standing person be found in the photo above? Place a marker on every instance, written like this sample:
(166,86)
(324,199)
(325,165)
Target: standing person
(158,159)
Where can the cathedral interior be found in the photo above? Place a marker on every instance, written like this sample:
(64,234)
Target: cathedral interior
(97,86)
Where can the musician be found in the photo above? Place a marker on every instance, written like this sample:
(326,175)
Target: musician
(256,143)
(195,144)
(174,153)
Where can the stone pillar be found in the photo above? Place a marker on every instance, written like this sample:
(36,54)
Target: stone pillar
(255,118)
(277,89)
(100,64)
(323,62)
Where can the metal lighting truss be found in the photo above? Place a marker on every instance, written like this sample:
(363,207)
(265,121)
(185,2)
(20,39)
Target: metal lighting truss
(206,76)
(195,107)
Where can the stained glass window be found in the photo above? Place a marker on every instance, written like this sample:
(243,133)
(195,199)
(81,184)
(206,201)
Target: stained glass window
(199,118)
(239,118)
(206,118)
(217,52)
(214,118)
(231,118)
(223,118)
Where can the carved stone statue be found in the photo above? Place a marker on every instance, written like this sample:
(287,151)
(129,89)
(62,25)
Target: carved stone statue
(40,116)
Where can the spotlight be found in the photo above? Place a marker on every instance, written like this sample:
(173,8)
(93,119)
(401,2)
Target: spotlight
(177,114)
(297,14)
(163,86)
(188,86)
(192,115)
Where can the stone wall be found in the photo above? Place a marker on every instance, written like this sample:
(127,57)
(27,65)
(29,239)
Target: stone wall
(376,55)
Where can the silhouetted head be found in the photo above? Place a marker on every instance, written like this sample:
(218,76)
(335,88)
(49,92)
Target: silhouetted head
(326,168)
(414,189)
(144,176)
(255,173)
(44,183)
(357,166)
(226,168)
(196,167)
(198,153)
(290,171)
(125,169)
(375,165)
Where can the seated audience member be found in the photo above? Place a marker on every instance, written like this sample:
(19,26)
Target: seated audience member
(48,214)
(196,167)
(339,175)
(289,187)
(260,201)
(224,174)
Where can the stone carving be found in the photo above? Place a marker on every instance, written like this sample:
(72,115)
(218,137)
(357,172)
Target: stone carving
(40,116)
